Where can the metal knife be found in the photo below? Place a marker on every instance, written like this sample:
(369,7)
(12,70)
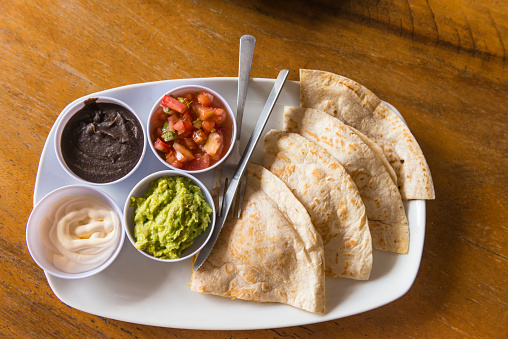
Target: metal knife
(233,186)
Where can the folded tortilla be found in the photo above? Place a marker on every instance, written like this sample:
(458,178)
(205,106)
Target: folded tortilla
(271,254)
(330,196)
(358,107)
(388,224)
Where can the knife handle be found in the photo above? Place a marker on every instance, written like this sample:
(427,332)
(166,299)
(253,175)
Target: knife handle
(260,125)
(256,134)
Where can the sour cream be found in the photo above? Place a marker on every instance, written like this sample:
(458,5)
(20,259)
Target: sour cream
(79,233)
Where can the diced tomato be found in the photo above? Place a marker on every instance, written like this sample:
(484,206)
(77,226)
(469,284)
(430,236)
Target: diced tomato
(208,125)
(183,126)
(173,103)
(188,126)
(179,127)
(214,143)
(185,154)
(218,155)
(160,145)
(170,153)
(172,160)
(199,136)
(180,157)
(171,123)
(190,143)
(203,112)
(220,116)
(201,162)
(194,107)
(178,164)
(187,116)
(205,99)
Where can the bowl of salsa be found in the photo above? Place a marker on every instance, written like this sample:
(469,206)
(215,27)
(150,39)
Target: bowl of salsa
(191,128)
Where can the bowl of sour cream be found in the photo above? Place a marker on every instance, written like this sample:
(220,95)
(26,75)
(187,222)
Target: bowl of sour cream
(75,232)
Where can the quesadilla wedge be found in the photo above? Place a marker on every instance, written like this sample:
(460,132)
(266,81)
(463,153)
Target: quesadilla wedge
(378,151)
(271,254)
(358,107)
(330,196)
(388,224)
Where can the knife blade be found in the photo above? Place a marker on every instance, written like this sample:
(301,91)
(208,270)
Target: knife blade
(233,186)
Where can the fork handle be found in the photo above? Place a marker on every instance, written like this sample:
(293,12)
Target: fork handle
(247,44)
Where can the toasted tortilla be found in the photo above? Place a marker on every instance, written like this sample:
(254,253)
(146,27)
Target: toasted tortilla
(271,254)
(330,196)
(358,107)
(388,224)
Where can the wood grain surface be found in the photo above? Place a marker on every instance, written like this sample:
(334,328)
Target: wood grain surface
(441,63)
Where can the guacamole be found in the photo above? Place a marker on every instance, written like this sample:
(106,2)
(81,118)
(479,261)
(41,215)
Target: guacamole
(170,215)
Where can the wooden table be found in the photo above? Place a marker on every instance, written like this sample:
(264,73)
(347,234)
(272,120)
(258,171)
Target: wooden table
(443,64)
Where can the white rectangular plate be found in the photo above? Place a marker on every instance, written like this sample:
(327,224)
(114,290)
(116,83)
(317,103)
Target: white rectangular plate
(139,290)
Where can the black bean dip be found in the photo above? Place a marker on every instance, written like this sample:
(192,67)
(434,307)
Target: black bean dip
(102,142)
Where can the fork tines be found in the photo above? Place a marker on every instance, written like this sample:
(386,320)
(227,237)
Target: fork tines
(237,203)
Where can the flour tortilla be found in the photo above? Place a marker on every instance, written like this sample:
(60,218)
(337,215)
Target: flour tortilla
(272,254)
(358,107)
(388,224)
(330,196)
(378,151)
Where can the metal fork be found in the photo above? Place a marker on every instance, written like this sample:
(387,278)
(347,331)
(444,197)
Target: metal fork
(247,43)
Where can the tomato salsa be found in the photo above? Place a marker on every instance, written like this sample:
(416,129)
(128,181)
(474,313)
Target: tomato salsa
(191,131)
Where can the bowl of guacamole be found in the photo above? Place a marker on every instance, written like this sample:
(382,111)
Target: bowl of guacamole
(169,216)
